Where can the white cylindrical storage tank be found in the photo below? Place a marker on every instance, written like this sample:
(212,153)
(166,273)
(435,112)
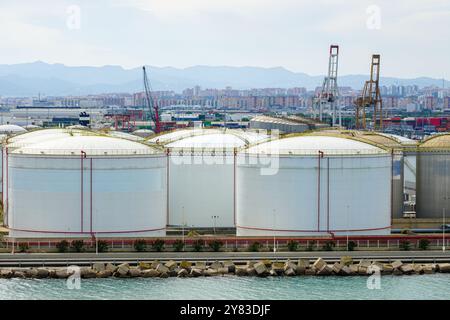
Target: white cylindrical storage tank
(313,185)
(80,186)
(201,170)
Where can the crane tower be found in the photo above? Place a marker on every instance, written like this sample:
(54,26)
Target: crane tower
(151,103)
(371,98)
(327,99)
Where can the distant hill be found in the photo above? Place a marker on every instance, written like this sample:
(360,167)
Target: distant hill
(28,79)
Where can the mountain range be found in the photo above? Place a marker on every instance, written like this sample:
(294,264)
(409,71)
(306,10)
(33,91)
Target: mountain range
(30,79)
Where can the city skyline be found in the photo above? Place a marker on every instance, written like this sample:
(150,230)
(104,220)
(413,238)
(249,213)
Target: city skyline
(289,34)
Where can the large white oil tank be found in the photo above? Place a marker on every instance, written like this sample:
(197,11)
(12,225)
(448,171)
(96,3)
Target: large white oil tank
(313,185)
(85,185)
(202,175)
(433,178)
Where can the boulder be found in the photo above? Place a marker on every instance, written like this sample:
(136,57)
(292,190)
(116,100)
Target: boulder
(387,268)
(354,268)
(88,273)
(171,265)
(319,264)
(289,265)
(428,269)
(346,271)
(200,265)
(164,275)
(123,269)
(337,267)
(365,263)
(111,267)
(397,272)
(211,272)
(216,265)
(302,265)
(407,269)
(185,264)
(222,270)
(98,266)
(195,272)
(325,270)
(42,273)
(144,266)
(104,274)
(230,266)
(346,260)
(19,274)
(362,270)
(162,268)
(272,273)
(135,272)
(241,271)
(289,272)
(62,273)
(310,271)
(251,271)
(377,266)
(278,267)
(154,264)
(182,273)
(418,269)
(267,262)
(29,273)
(444,267)
(260,268)
(150,273)
(397,264)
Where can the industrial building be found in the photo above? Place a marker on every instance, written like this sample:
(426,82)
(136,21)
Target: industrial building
(433,177)
(84,185)
(201,175)
(313,185)
(288,124)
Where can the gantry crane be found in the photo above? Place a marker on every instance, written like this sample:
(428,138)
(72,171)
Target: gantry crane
(371,98)
(327,99)
(151,103)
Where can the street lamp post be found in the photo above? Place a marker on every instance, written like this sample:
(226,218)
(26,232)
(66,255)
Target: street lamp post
(183,224)
(348,224)
(274,232)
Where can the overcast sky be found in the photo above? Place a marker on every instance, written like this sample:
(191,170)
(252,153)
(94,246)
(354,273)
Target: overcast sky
(412,36)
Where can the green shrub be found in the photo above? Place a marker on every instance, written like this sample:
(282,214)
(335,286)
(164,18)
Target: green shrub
(351,245)
(254,247)
(140,245)
(23,247)
(178,245)
(62,246)
(102,246)
(215,245)
(328,245)
(424,244)
(158,245)
(198,245)
(404,245)
(77,245)
(292,245)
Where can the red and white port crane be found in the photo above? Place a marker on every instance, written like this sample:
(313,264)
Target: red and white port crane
(151,103)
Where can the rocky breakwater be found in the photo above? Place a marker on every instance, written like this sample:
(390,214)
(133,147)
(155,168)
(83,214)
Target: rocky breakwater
(264,268)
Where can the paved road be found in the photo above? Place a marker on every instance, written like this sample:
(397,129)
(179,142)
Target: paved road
(24,259)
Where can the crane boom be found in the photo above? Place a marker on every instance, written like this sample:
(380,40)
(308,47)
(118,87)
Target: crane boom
(151,103)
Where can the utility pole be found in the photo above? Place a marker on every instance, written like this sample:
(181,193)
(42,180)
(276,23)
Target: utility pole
(329,94)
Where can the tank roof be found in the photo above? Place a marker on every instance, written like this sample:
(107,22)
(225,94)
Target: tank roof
(311,145)
(439,141)
(92,145)
(11,128)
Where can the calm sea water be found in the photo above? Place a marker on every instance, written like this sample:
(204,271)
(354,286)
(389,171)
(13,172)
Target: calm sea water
(231,287)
